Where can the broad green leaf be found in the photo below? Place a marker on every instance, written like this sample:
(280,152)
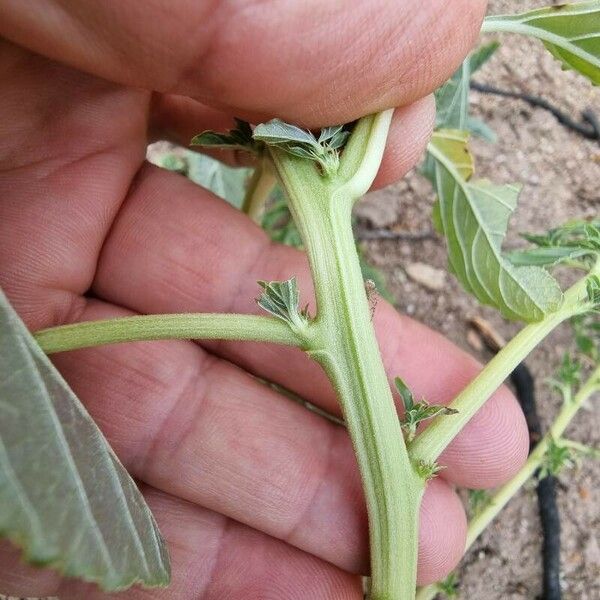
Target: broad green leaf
(65,498)
(571,32)
(452,98)
(481,55)
(481,129)
(474,217)
(226,182)
(452,143)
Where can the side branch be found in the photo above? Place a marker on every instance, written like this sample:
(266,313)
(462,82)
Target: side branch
(428,446)
(502,496)
(362,155)
(207,326)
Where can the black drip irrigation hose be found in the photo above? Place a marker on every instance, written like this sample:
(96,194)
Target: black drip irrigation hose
(588,126)
(546,488)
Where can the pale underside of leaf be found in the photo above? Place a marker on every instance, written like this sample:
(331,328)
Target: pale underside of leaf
(65,499)
(474,218)
(570,31)
(279,132)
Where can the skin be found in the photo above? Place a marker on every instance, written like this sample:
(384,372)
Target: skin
(256,497)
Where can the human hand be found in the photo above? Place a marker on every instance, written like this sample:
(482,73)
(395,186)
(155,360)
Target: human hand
(256,496)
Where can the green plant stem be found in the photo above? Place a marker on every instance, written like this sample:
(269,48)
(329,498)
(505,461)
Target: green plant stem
(502,496)
(159,327)
(346,347)
(502,24)
(261,185)
(428,446)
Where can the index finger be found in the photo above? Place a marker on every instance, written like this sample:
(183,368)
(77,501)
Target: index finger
(311,62)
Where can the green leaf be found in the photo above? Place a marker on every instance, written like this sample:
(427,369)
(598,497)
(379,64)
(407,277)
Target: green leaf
(543,257)
(65,498)
(474,217)
(281,298)
(576,242)
(226,182)
(556,459)
(277,132)
(592,286)
(405,394)
(452,98)
(449,586)
(478,500)
(415,412)
(567,377)
(577,233)
(428,470)
(586,330)
(481,55)
(329,133)
(481,129)
(571,32)
(238,138)
(302,143)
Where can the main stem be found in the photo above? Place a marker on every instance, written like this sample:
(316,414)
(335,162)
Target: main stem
(346,347)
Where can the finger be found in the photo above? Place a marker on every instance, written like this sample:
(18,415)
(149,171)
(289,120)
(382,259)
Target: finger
(442,517)
(181,258)
(202,429)
(310,62)
(70,145)
(212,558)
(178,119)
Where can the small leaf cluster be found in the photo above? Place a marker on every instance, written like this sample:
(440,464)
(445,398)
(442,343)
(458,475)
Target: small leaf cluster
(567,377)
(564,454)
(586,330)
(428,470)
(557,458)
(238,138)
(478,500)
(593,290)
(416,412)
(281,298)
(449,586)
(576,243)
(303,143)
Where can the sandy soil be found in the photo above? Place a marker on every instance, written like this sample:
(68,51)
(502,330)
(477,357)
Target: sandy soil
(561,175)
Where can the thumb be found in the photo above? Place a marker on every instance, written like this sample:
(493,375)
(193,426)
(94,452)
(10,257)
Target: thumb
(310,62)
